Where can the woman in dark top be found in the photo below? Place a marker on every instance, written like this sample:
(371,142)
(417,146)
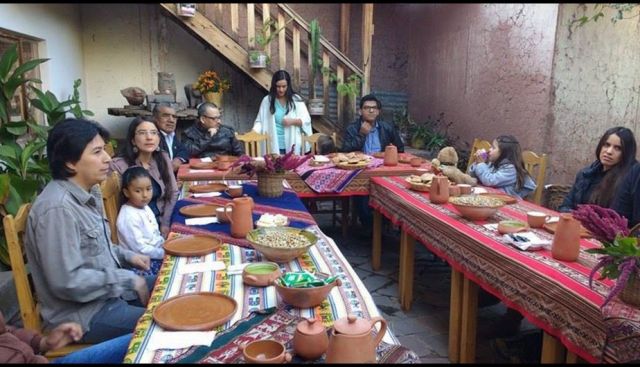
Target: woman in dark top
(598,182)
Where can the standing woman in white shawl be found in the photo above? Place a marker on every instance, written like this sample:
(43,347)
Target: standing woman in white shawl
(283,115)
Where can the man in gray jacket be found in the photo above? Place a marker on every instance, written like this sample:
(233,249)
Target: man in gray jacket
(79,275)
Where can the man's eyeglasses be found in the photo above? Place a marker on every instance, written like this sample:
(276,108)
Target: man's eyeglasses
(370,108)
(218,118)
(147,132)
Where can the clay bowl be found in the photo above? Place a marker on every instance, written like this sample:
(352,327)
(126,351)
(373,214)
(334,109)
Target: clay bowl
(305,297)
(203,165)
(476,207)
(511,226)
(261,239)
(260,274)
(265,351)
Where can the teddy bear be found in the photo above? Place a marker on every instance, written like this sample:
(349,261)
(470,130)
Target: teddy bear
(447,161)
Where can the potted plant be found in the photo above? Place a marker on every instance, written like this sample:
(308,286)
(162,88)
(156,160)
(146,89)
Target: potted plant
(349,88)
(316,105)
(271,170)
(211,86)
(25,168)
(258,58)
(621,254)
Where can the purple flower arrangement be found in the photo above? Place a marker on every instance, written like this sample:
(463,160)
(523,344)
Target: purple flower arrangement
(273,163)
(620,251)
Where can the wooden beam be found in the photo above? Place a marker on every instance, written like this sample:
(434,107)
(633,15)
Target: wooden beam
(266,15)
(234,18)
(296,57)
(367,35)
(345,17)
(326,63)
(340,99)
(251,25)
(282,42)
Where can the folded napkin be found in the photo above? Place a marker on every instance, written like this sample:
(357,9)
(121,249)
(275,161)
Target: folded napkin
(201,267)
(236,269)
(200,221)
(180,339)
(202,170)
(206,160)
(526,241)
(206,194)
(479,190)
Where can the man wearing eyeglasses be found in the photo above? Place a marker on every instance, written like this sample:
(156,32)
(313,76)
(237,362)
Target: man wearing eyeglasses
(209,137)
(165,117)
(369,134)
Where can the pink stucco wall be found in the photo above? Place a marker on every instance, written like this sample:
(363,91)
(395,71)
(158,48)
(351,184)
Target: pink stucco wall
(488,67)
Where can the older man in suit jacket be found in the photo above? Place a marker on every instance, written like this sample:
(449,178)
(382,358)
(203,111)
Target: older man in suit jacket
(165,117)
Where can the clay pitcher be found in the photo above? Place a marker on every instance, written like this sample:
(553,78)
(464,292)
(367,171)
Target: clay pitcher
(310,340)
(391,155)
(351,340)
(241,217)
(566,240)
(439,191)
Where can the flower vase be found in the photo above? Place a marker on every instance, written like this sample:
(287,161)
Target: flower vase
(213,97)
(630,294)
(270,184)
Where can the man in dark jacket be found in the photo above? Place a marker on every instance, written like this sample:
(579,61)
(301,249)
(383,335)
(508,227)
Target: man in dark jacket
(208,137)
(165,117)
(369,134)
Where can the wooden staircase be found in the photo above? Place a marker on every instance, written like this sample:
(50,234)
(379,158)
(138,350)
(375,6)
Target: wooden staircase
(230,29)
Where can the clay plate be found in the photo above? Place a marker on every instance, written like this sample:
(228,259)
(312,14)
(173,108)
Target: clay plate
(199,210)
(203,165)
(378,154)
(214,187)
(551,228)
(192,246)
(508,199)
(195,311)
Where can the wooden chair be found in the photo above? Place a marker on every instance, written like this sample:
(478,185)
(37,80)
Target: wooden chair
(531,161)
(14,228)
(111,202)
(252,143)
(313,140)
(477,145)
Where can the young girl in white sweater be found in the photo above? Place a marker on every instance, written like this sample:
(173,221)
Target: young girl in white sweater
(137,226)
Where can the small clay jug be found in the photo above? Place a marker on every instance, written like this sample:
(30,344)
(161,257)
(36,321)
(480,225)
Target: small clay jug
(566,240)
(351,340)
(439,191)
(310,340)
(241,217)
(391,155)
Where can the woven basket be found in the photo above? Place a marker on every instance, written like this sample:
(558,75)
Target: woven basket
(270,184)
(554,194)
(631,292)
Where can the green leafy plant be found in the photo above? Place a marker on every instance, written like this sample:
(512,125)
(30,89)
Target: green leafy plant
(24,168)
(619,9)
(265,36)
(349,88)
(433,134)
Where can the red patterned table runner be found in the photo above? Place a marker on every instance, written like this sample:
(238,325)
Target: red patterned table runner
(554,295)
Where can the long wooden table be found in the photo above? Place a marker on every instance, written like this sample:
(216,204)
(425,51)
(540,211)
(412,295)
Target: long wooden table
(325,256)
(554,295)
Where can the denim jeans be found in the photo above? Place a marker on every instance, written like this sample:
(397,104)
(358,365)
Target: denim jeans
(108,352)
(117,317)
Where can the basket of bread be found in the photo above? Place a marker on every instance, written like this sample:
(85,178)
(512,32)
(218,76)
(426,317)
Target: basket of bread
(353,160)
(421,182)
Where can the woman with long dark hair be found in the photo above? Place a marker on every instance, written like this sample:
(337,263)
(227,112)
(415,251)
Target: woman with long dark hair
(142,148)
(598,182)
(283,115)
(505,169)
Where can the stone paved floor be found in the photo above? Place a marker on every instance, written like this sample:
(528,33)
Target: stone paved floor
(424,328)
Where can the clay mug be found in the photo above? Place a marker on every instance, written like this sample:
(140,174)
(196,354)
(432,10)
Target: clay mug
(241,217)
(310,340)
(537,219)
(415,162)
(223,214)
(439,191)
(234,190)
(351,340)
(566,240)
(465,189)
(454,190)
(265,351)
(391,155)
(224,165)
